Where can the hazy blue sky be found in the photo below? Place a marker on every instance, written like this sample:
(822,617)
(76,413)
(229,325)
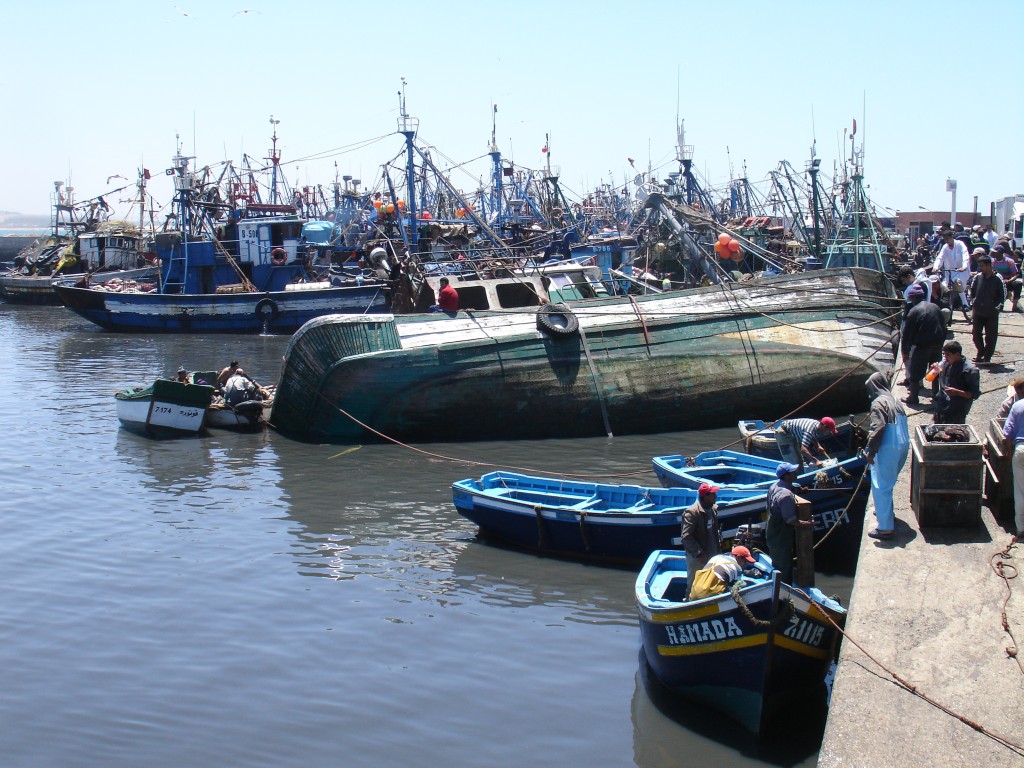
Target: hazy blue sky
(95,89)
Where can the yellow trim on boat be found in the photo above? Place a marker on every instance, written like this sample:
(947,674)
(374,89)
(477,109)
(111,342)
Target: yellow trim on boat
(685,615)
(693,649)
(797,647)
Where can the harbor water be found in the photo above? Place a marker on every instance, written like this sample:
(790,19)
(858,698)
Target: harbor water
(250,600)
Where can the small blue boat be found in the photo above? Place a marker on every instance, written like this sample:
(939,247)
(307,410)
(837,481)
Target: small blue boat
(749,652)
(618,524)
(759,439)
(828,486)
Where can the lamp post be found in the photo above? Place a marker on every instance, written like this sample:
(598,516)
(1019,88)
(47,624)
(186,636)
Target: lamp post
(951,187)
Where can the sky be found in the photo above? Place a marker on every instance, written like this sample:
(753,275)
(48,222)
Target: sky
(94,91)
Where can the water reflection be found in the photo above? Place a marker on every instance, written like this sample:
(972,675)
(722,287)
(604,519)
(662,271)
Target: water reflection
(504,578)
(666,728)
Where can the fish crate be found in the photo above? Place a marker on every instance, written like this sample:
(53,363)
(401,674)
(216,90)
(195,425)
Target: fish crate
(998,472)
(947,480)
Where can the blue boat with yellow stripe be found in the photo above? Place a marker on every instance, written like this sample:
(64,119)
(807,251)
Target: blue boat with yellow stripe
(750,652)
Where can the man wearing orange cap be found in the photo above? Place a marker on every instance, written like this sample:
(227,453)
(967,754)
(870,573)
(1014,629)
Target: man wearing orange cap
(702,535)
(721,571)
(796,436)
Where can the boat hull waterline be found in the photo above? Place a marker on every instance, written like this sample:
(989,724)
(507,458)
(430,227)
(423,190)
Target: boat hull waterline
(683,360)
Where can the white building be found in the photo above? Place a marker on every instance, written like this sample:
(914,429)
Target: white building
(1008,213)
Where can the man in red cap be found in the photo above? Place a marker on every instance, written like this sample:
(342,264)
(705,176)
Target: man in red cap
(796,436)
(721,571)
(702,535)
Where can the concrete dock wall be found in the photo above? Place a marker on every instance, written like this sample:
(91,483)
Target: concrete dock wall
(928,606)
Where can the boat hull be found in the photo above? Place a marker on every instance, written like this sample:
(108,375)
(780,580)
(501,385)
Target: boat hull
(248,416)
(252,313)
(677,361)
(748,653)
(166,409)
(615,524)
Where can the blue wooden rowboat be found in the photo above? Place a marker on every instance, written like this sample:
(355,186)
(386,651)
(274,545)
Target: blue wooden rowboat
(618,524)
(759,439)
(828,487)
(749,652)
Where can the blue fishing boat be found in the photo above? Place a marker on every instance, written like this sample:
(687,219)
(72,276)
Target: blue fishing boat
(618,524)
(749,652)
(759,439)
(227,267)
(827,486)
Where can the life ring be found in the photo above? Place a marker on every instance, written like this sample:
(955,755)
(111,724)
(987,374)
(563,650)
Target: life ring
(557,320)
(278,257)
(266,310)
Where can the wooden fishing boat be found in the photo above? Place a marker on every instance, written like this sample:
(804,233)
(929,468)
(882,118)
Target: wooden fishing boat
(618,524)
(165,408)
(759,439)
(749,652)
(827,486)
(671,361)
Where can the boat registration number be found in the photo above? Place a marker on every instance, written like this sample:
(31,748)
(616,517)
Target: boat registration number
(804,631)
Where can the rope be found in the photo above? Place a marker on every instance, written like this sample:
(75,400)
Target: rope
(849,504)
(906,685)
(787,609)
(835,383)
(1007,571)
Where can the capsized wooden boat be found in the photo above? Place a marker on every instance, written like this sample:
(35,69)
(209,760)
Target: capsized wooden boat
(759,439)
(748,652)
(671,361)
(603,522)
(165,408)
(827,486)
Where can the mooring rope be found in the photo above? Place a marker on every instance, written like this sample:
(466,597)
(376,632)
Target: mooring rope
(910,687)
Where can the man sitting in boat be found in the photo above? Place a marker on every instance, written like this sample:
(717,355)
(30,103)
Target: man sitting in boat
(447,298)
(721,571)
(225,374)
(240,388)
(796,436)
(183,376)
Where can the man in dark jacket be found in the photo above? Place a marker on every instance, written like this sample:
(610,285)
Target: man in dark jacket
(924,330)
(988,293)
(959,386)
(701,534)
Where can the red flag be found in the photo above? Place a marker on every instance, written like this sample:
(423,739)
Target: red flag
(854,127)
(145,173)
(544,149)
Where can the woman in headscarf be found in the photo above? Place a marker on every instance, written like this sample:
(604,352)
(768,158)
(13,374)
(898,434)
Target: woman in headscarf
(887,448)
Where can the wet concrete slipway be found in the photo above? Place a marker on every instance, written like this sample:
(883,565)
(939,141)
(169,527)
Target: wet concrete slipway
(927,612)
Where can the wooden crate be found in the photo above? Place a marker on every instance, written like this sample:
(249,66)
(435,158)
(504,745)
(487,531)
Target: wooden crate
(998,472)
(946,481)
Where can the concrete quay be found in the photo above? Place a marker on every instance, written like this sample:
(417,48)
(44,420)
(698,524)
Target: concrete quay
(928,606)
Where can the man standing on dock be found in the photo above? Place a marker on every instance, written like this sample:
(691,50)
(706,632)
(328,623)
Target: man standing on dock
(701,534)
(783,521)
(924,330)
(1013,435)
(959,386)
(887,447)
(988,294)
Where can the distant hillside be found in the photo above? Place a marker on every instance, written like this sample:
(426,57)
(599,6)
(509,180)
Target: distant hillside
(12,220)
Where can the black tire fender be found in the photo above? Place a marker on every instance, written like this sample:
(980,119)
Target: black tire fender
(557,320)
(266,310)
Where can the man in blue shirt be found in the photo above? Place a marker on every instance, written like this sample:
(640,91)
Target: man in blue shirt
(1013,436)
(782,520)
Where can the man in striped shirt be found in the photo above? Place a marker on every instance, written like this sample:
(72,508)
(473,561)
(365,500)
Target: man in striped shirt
(796,437)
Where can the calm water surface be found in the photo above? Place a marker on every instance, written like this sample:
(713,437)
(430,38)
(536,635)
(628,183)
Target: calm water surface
(249,600)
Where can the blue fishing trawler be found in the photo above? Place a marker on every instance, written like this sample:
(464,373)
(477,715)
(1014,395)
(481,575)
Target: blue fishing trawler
(234,267)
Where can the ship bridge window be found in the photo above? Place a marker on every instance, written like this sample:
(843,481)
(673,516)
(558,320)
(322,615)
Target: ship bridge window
(473,297)
(517,294)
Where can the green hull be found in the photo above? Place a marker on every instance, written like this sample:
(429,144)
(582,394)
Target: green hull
(650,365)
